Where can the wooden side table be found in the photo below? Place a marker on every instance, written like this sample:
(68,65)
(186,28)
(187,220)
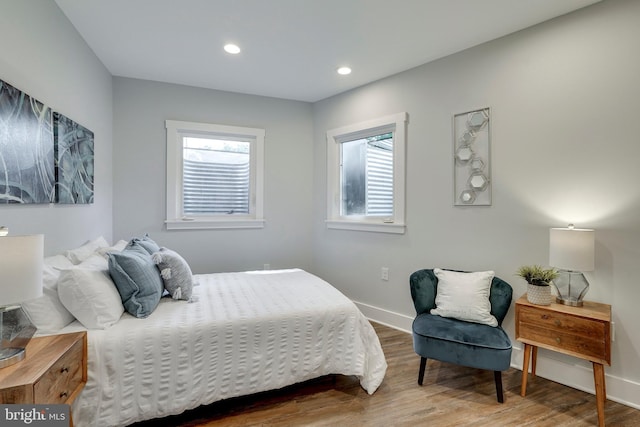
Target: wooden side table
(54,370)
(583,332)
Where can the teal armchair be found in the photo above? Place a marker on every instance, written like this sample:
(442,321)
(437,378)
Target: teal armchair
(454,341)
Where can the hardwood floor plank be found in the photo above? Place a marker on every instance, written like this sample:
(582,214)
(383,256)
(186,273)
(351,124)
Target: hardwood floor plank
(450,396)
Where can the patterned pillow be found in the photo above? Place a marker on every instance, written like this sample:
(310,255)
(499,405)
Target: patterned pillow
(137,279)
(175,272)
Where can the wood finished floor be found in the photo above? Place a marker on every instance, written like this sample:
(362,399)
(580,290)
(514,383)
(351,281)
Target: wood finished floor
(451,396)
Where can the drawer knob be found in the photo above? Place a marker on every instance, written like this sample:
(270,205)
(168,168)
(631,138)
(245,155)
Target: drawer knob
(558,340)
(545,317)
(557,322)
(64,370)
(63,394)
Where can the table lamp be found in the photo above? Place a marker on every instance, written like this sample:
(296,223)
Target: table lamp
(571,251)
(21,261)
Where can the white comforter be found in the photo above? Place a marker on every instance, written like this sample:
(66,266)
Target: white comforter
(247,332)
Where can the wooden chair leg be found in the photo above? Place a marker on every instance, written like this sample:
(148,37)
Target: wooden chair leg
(423,365)
(497,376)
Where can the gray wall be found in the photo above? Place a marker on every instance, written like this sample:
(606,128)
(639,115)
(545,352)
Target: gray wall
(140,110)
(565,101)
(44,56)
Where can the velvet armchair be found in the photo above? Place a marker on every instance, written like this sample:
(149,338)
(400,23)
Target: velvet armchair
(456,341)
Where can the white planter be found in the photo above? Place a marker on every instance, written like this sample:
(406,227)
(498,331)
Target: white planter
(540,295)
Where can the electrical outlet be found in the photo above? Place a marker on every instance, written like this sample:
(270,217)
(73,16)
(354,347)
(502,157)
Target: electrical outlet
(384,273)
(267,266)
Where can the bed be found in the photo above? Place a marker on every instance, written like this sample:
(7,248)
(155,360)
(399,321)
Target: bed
(241,333)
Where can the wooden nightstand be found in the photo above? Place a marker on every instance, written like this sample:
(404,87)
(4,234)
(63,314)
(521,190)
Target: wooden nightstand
(53,371)
(583,332)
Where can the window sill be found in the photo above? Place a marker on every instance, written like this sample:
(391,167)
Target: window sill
(376,227)
(208,224)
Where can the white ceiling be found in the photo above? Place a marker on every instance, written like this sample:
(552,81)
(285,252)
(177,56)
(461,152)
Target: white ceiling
(292,48)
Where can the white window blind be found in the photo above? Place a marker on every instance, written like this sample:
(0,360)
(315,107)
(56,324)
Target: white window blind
(216,177)
(215,188)
(380,177)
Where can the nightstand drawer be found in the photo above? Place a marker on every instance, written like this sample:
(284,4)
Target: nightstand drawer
(590,348)
(562,323)
(64,376)
(54,370)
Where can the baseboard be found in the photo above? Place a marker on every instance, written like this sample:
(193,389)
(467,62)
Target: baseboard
(578,376)
(386,317)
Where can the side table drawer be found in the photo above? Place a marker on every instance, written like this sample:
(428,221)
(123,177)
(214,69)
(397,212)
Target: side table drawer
(561,322)
(57,384)
(585,337)
(557,338)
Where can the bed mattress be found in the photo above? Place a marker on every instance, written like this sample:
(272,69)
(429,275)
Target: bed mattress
(246,332)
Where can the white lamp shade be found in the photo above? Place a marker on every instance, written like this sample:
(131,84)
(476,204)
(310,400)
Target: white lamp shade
(21,262)
(571,248)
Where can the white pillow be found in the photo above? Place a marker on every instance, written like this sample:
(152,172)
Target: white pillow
(47,311)
(464,296)
(59,262)
(117,247)
(88,292)
(94,262)
(83,252)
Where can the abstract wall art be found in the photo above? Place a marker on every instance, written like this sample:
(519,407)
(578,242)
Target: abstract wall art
(73,161)
(471,158)
(26,148)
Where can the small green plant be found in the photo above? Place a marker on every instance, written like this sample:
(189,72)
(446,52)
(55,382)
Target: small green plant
(537,275)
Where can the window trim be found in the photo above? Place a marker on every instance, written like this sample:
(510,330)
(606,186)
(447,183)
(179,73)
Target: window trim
(174,218)
(396,223)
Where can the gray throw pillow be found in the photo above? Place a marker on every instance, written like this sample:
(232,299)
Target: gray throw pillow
(137,279)
(175,272)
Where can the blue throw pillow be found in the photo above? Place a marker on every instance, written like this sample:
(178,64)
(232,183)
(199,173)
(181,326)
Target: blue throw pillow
(137,279)
(146,242)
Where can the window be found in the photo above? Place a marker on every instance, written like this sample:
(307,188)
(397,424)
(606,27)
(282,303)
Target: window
(214,176)
(367,176)
(366,169)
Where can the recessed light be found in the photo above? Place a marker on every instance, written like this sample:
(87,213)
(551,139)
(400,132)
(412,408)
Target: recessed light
(231,48)
(344,71)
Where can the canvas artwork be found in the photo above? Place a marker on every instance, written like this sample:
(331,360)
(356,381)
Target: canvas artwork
(74,161)
(26,148)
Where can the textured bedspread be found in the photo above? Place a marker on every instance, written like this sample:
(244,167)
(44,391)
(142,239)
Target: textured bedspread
(247,332)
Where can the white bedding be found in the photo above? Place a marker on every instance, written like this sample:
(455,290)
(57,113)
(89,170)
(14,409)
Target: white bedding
(247,332)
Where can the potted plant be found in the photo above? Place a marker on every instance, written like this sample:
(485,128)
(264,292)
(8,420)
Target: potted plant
(538,283)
